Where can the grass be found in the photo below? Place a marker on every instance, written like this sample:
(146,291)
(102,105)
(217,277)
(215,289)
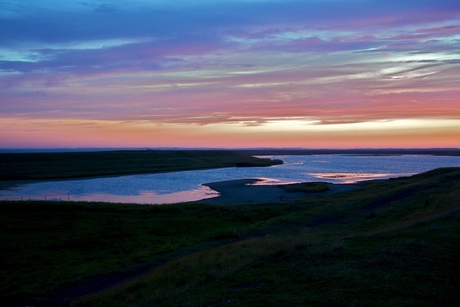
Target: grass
(389,243)
(31,166)
(49,244)
(308,187)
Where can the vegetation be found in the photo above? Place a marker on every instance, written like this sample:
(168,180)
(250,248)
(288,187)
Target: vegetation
(308,187)
(59,165)
(387,243)
(49,244)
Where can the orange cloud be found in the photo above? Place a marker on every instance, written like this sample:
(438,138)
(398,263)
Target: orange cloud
(273,133)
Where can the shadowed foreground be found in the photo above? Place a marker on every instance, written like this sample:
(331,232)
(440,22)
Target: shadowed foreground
(386,243)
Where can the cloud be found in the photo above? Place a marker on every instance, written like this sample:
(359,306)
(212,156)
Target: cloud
(239,63)
(100,8)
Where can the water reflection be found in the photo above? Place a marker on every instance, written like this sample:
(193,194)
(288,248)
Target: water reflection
(352,177)
(185,186)
(271,181)
(149,197)
(142,197)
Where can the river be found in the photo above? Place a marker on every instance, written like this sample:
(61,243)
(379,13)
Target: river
(164,188)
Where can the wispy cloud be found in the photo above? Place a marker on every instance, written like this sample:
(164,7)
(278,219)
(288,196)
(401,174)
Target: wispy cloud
(230,63)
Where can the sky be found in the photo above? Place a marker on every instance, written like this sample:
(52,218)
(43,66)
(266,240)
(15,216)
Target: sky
(230,73)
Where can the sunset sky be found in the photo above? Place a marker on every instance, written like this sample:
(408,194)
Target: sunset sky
(230,73)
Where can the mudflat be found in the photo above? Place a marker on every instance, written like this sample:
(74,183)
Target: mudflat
(244,191)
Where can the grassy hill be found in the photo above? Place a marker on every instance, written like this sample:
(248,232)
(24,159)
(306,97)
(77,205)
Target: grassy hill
(59,165)
(387,243)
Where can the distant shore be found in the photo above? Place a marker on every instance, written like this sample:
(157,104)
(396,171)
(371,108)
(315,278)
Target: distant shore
(287,150)
(358,151)
(71,165)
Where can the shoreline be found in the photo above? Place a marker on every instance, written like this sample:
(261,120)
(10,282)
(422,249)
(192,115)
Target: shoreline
(76,165)
(241,191)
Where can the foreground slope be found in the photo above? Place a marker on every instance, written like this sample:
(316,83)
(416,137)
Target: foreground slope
(392,242)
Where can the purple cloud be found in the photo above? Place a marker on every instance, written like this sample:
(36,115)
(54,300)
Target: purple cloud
(204,62)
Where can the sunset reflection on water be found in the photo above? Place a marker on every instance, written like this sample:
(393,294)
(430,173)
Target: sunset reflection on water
(352,177)
(144,197)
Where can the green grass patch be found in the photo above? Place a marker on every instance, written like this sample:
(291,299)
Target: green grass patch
(308,187)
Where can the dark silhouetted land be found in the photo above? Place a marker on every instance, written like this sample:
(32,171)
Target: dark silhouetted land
(386,243)
(62,165)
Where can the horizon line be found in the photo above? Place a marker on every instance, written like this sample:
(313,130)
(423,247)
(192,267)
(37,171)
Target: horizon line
(62,149)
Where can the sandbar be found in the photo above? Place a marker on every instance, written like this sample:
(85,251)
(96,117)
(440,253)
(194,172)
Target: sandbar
(234,192)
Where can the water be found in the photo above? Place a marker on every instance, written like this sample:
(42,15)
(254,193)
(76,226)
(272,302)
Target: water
(187,185)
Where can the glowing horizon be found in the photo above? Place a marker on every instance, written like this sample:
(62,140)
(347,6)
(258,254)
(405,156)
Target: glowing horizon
(265,73)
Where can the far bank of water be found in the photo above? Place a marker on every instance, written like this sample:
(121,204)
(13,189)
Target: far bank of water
(185,186)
